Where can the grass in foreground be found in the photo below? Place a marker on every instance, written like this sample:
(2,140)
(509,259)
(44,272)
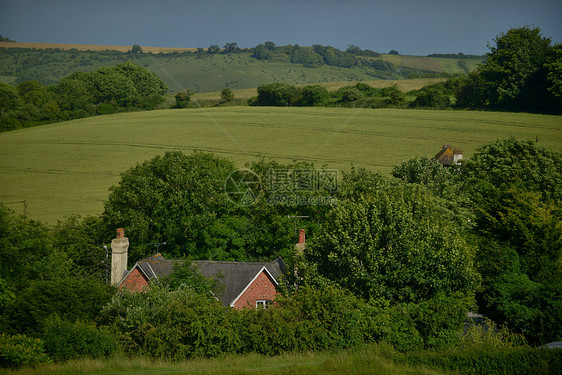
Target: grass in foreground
(360,361)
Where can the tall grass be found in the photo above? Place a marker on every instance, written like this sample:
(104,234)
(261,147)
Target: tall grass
(367,360)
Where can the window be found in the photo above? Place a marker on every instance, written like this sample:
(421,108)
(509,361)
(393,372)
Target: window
(263,303)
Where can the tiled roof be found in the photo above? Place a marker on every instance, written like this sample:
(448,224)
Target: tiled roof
(235,276)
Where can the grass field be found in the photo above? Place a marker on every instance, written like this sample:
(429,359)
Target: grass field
(67,168)
(355,361)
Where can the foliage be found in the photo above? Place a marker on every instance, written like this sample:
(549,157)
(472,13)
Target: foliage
(227,95)
(81,240)
(105,90)
(518,360)
(431,98)
(9,98)
(64,340)
(172,198)
(516,197)
(314,95)
(176,324)
(182,98)
(136,49)
(304,55)
(185,273)
(277,94)
(26,250)
(520,74)
(20,350)
(71,298)
(398,242)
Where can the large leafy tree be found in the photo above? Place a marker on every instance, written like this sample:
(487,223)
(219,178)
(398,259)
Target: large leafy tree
(517,198)
(396,242)
(520,74)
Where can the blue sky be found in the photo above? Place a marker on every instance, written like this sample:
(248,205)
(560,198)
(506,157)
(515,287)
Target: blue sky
(410,27)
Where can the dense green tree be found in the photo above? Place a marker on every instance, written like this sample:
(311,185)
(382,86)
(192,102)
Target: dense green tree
(182,98)
(9,97)
(277,94)
(314,95)
(75,92)
(553,67)
(431,98)
(33,93)
(26,250)
(261,52)
(81,239)
(269,45)
(136,49)
(513,68)
(394,242)
(520,74)
(514,189)
(213,48)
(172,198)
(231,48)
(227,95)
(304,55)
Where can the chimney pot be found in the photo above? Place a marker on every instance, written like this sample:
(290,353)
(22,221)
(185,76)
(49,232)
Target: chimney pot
(302,236)
(120,233)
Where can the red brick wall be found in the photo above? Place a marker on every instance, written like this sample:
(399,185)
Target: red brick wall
(135,281)
(262,288)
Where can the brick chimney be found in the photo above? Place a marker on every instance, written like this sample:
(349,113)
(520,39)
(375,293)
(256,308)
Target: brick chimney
(301,245)
(119,250)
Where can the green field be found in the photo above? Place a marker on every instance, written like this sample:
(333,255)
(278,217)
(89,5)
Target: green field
(67,168)
(211,72)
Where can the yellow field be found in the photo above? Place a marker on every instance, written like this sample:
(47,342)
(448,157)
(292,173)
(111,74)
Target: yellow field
(91,47)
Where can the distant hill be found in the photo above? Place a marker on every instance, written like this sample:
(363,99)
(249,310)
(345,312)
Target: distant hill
(202,71)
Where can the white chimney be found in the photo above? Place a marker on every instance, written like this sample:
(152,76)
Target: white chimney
(119,250)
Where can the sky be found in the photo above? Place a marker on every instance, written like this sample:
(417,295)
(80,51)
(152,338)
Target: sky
(411,27)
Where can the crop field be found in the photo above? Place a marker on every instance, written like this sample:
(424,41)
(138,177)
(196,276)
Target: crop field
(67,168)
(91,47)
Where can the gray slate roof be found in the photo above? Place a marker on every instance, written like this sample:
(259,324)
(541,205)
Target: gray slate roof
(235,276)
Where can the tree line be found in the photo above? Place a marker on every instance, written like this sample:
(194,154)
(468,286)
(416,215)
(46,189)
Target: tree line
(396,259)
(123,87)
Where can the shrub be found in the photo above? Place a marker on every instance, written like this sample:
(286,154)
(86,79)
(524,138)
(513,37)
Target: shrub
(183,98)
(66,340)
(431,98)
(20,350)
(176,324)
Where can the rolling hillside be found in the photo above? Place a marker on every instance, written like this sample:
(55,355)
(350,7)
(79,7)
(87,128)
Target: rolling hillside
(67,168)
(181,69)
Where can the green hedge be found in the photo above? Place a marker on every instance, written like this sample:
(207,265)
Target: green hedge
(518,360)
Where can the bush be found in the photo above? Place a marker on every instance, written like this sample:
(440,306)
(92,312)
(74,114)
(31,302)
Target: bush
(183,98)
(20,350)
(176,324)
(431,98)
(277,94)
(66,340)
